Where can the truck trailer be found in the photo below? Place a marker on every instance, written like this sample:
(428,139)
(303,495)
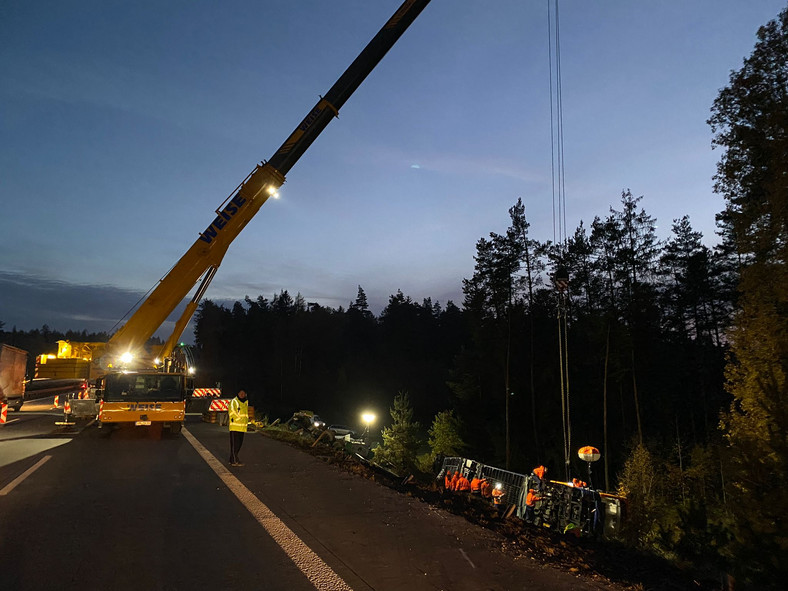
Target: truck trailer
(13,365)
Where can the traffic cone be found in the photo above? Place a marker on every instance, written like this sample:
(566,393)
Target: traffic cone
(3,414)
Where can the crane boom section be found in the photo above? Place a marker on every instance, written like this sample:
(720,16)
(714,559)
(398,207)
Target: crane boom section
(232,216)
(328,107)
(206,252)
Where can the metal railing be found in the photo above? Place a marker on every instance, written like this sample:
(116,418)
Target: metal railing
(561,506)
(511,483)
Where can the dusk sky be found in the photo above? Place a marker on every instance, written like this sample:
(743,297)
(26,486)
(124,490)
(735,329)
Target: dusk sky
(124,125)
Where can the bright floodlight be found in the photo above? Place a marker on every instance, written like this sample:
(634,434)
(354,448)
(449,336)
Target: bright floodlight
(126,358)
(273,192)
(157,361)
(191,371)
(368,418)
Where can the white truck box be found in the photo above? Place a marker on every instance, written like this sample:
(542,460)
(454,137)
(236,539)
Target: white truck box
(13,365)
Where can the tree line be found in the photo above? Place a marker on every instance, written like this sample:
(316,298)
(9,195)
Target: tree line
(645,345)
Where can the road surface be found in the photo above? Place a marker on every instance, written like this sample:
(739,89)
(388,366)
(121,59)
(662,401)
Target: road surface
(137,509)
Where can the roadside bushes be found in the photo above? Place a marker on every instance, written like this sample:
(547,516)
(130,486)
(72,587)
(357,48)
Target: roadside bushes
(402,440)
(676,506)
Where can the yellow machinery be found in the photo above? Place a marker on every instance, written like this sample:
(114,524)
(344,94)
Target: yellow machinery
(126,348)
(143,398)
(72,360)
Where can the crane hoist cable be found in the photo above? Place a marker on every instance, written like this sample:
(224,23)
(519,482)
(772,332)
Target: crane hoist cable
(558,170)
(557,163)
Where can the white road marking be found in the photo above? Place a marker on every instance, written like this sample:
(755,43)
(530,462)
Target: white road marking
(318,572)
(466,558)
(18,480)
(19,449)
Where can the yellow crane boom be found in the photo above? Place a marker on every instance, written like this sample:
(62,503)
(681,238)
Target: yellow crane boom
(207,252)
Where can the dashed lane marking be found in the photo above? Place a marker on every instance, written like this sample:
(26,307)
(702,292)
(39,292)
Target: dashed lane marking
(18,480)
(318,572)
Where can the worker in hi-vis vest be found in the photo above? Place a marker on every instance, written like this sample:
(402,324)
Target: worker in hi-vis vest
(239,418)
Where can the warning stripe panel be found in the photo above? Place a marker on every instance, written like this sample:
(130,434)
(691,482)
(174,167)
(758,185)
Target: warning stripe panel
(219,405)
(202,392)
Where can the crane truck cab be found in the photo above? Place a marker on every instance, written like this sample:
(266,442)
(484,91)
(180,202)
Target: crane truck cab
(142,398)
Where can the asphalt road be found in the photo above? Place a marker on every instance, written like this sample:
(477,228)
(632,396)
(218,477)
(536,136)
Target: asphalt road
(138,509)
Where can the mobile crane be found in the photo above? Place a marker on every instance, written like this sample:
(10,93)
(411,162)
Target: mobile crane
(156,389)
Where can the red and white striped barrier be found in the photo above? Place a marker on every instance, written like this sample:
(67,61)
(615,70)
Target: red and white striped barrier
(57,399)
(68,420)
(219,405)
(3,414)
(203,392)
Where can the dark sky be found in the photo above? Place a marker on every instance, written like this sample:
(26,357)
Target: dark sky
(125,124)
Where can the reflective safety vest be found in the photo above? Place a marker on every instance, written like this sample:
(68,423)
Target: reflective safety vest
(463,484)
(476,485)
(239,414)
(486,489)
(497,495)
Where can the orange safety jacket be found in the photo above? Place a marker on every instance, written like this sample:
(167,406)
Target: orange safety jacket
(447,480)
(463,484)
(531,498)
(453,482)
(476,484)
(486,489)
(497,495)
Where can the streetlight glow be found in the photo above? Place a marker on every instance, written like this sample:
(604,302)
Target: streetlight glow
(368,418)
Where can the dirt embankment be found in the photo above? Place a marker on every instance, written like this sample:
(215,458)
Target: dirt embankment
(599,560)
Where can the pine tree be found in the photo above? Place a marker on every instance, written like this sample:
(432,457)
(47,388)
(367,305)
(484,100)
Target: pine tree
(750,121)
(361,304)
(400,440)
(444,435)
